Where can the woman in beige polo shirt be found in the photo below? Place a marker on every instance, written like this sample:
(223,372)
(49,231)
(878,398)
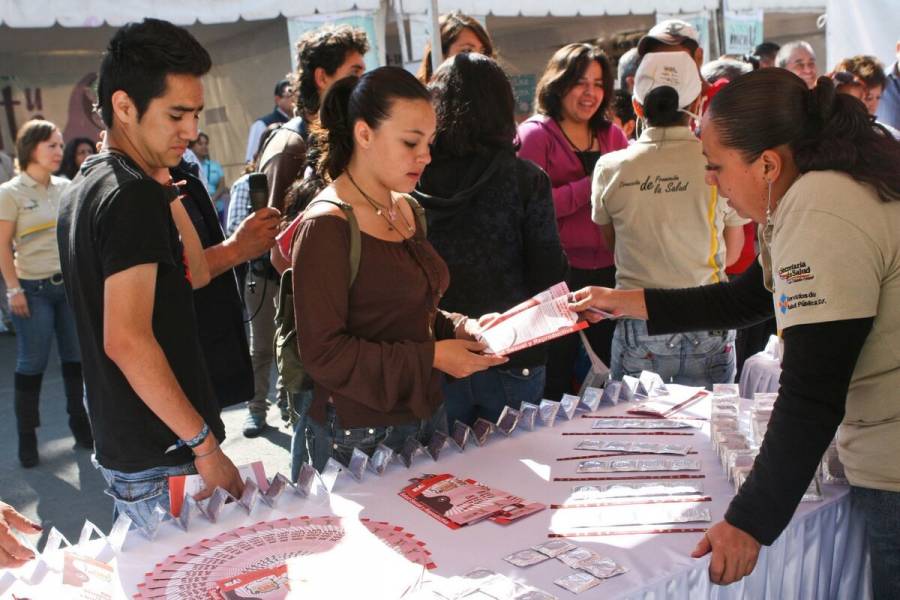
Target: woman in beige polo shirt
(823,181)
(29,261)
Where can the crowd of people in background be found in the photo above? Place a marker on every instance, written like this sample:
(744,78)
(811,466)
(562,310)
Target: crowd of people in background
(650,187)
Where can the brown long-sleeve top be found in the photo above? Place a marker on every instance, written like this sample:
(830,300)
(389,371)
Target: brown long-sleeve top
(370,351)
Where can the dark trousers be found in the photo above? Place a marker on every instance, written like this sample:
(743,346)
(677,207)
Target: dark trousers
(751,340)
(563,352)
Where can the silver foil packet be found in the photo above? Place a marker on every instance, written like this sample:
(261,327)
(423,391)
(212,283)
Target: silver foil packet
(526,558)
(548,411)
(626,465)
(577,582)
(640,424)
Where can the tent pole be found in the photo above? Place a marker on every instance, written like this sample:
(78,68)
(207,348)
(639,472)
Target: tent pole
(437,52)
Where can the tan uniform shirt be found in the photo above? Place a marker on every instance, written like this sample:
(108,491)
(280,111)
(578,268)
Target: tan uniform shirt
(835,255)
(33,209)
(669,224)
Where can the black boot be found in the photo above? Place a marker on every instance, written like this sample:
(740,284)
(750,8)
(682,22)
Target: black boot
(78,419)
(28,418)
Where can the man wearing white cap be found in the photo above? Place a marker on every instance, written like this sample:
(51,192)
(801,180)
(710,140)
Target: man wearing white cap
(667,228)
(672,35)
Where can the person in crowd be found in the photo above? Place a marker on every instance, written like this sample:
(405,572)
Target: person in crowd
(848,83)
(491,218)
(765,53)
(7,172)
(149,393)
(29,262)
(220,313)
(810,167)
(459,33)
(324,56)
(870,72)
(239,207)
(259,287)
(628,65)
(73,155)
(622,114)
(13,553)
(375,352)
(667,228)
(728,69)
(567,136)
(213,174)
(672,35)
(889,107)
(282,113)
(800,59)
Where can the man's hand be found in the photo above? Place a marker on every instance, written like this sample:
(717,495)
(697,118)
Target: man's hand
(256,234)
(217,470)
(734,552)
(12,552)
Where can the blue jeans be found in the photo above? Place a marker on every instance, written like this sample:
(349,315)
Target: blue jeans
(330,440)
(484,394)
(137,494)
(697,358)
(51,316)
(882,512)
(299,453)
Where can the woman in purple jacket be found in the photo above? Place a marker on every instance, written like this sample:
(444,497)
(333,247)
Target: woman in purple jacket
(565,138)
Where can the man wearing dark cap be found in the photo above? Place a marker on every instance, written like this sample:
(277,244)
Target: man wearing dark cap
(284,108)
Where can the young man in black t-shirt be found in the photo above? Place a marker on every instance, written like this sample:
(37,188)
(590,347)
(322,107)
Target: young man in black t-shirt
(127,275)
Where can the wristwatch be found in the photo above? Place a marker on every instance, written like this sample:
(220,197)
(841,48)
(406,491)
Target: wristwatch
(10,292)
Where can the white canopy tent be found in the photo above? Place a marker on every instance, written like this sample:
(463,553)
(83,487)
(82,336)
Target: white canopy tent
(92,13)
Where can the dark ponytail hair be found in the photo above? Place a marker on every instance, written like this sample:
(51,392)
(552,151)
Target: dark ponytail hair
(824,130)
(661,108)
(370,98)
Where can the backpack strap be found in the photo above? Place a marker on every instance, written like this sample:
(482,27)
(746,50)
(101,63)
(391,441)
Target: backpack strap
(355,237)
(419,212)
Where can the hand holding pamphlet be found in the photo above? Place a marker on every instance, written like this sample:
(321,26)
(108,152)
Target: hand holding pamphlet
(535,321)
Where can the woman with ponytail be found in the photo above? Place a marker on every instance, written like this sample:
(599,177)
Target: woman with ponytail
(374,344)
(823,182)
(666,227)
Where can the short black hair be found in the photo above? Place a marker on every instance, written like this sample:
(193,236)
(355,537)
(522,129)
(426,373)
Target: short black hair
(138,59)
(474,105)
(279,87)
(622,107)
(767,50)
(326,48)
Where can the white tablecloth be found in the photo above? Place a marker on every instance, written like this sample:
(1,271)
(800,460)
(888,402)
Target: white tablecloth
(821,554)
(762,371)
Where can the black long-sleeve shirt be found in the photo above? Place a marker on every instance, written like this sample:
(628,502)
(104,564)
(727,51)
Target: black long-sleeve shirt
(817,365)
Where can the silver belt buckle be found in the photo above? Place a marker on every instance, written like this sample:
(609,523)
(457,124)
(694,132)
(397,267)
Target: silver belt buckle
(56,279)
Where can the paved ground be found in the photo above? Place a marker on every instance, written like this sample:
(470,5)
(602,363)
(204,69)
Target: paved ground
(65,489)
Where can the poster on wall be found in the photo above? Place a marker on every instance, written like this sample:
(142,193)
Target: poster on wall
(743,30)
(523,89)
(70,106)
(700,21)
(365,20)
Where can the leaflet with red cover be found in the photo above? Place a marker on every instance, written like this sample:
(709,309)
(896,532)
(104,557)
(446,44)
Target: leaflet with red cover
(459,502)
(535,321)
